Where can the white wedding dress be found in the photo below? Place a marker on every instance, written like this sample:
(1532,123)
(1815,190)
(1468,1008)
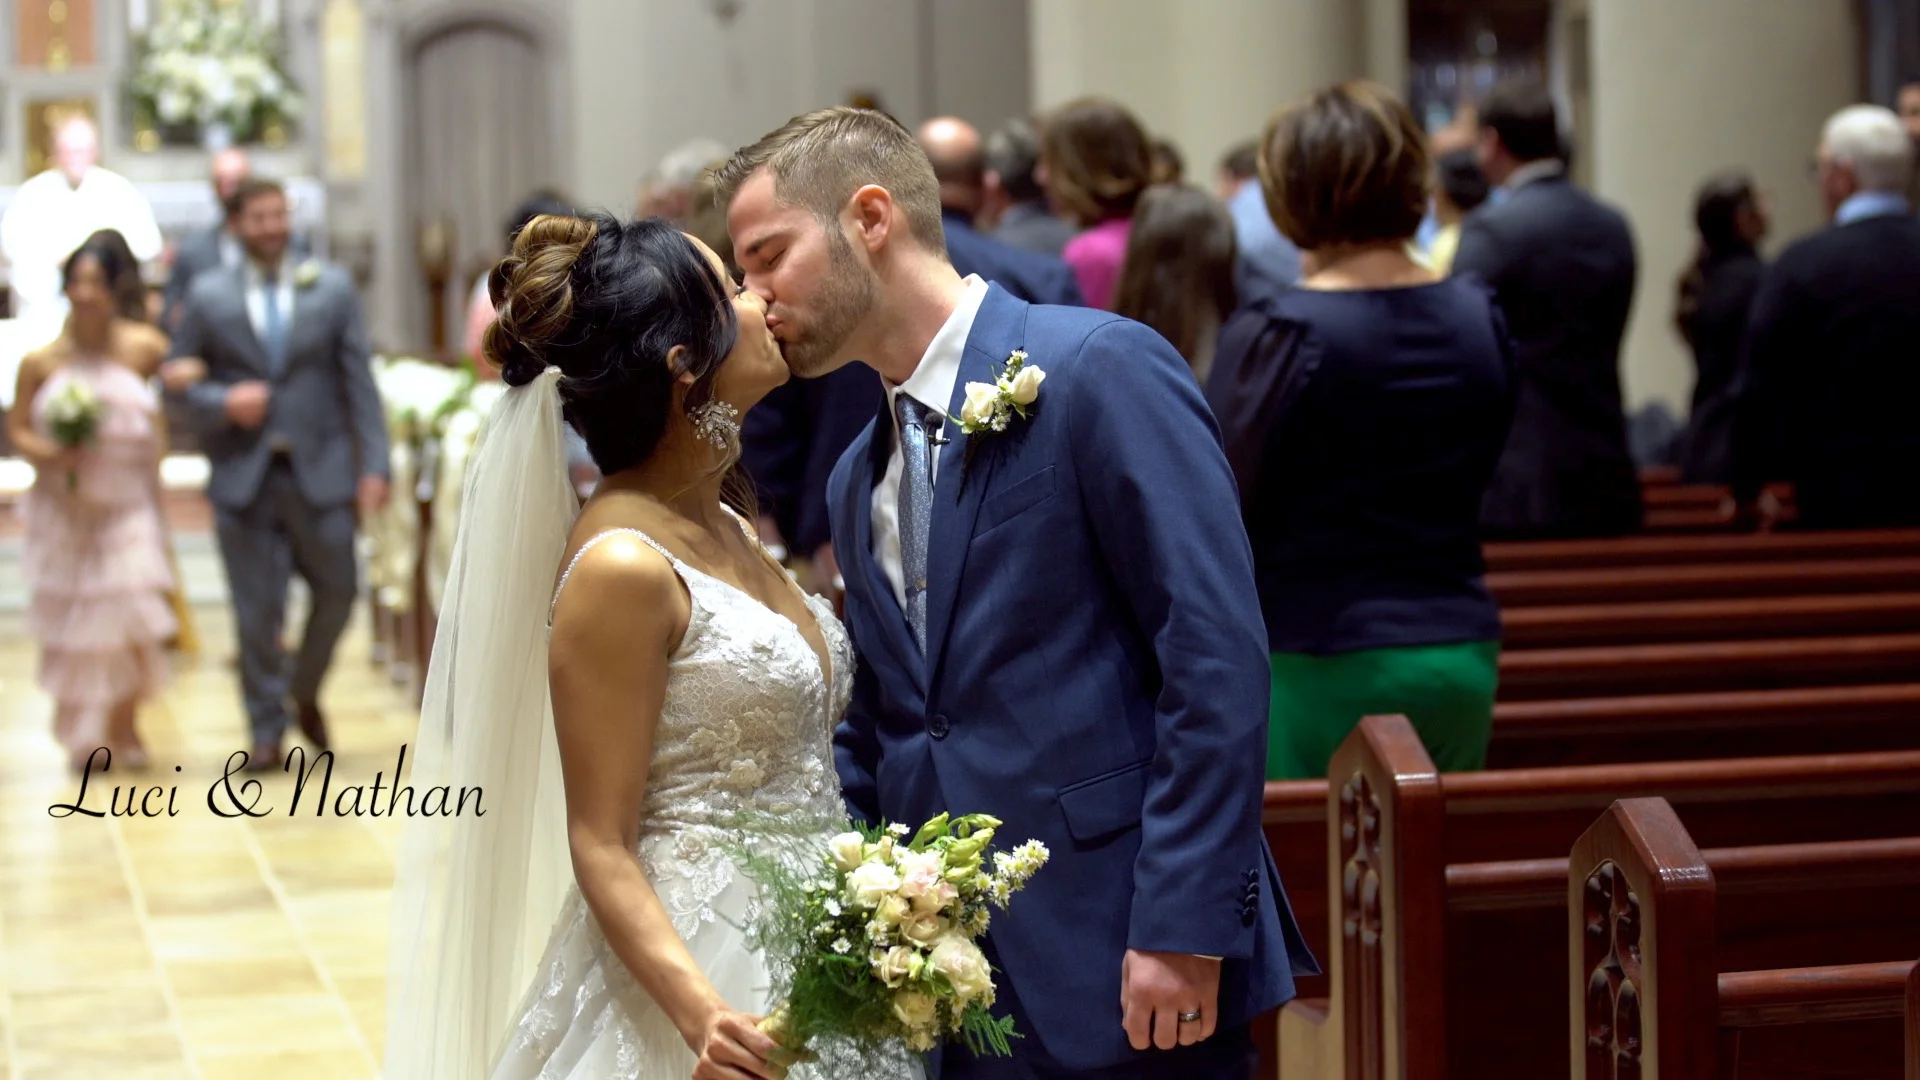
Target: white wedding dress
(746,730)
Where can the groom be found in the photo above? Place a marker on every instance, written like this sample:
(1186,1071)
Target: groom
(1057,621)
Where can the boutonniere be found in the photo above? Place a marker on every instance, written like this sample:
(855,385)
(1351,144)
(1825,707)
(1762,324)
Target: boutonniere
(992,406)
(307,274)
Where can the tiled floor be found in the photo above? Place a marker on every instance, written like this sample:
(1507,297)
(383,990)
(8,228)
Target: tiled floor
(193,945)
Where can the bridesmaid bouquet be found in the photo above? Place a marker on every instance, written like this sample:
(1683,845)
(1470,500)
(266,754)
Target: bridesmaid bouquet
(72,415)
(875,941)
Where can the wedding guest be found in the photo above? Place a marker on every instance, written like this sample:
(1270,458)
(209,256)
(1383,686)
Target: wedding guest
(479,304)
(1169,166)
(1715,298)
(1831,379)
(1178,273)
(1266,263)
(1461,189)
(1562,266)
(1363,413)
(1095,163)
(1016,205)
(960,165)
(95,556)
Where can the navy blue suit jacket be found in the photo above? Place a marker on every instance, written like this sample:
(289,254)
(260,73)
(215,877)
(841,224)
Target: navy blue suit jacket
(1096,674)
(1028,275)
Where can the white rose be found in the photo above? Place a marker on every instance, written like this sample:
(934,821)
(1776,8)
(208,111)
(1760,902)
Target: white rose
(963,965)
(848,849)
(983,399)
(920,871)
(1026,385)
(892,911)
(923,930)
(913,1008)
(896,965)
(938,898)
(870,883)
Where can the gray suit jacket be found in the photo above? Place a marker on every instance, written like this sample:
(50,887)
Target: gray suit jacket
(323,403)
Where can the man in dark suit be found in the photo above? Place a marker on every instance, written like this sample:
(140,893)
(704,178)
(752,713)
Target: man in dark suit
(1832,371)
(1054,611)
(291,423)
(960,164)
(1015,203)
(1562,267)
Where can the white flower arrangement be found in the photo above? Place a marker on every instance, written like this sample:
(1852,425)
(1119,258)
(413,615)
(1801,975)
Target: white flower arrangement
(990,407)
(418,394)
(72,418)
(307,274)
(876,941)
(205,63)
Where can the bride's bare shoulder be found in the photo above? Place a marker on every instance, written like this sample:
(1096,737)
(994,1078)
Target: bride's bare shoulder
(616,582)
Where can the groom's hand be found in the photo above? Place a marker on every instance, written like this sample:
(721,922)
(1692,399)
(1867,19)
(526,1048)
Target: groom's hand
(1156,987)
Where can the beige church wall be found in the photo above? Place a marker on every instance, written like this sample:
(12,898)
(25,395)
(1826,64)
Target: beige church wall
(1679,91)
(1209,73)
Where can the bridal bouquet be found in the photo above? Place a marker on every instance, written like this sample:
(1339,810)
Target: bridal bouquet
(72,415)
(875,941)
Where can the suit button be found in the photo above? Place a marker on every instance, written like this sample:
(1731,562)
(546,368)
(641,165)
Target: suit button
(937,727)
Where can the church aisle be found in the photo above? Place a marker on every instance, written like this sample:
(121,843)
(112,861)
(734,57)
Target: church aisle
(195,945)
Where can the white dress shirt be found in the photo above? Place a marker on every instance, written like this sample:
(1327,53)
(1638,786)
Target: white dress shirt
(256,281)
(931,384)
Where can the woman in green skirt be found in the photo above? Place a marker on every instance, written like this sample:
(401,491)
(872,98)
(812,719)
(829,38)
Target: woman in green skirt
(1363,412)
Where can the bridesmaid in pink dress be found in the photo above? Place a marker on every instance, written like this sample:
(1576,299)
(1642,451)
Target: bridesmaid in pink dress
(95,553)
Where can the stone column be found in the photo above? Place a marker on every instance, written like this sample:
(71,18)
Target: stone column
(1208,73)
(1677,92)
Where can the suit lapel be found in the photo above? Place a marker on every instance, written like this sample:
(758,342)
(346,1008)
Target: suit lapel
(868,462)
(962,481)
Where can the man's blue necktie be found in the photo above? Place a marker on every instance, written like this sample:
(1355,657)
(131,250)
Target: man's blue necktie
(274,324)
(916,510)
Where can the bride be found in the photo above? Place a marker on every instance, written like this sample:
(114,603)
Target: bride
(625,681)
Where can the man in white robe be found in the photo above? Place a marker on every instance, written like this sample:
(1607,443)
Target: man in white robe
(54,212)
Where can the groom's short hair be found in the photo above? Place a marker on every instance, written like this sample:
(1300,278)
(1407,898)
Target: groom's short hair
(818,160)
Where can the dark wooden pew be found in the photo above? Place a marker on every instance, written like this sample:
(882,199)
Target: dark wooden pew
(1697,550)
(1718,724)
(1392,827)
(1695,667)
(1650,584)
(1555,627)
(1663,938)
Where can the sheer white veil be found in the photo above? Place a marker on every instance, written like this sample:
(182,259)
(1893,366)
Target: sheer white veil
(475,894)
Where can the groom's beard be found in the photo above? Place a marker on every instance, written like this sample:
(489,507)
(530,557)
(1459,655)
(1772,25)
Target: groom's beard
(844,300)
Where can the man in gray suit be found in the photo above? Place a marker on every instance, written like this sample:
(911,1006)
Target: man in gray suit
(291,422)
(214,248)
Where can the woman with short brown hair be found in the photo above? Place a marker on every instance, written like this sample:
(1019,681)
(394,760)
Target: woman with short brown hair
(1095,162)
(1364,412)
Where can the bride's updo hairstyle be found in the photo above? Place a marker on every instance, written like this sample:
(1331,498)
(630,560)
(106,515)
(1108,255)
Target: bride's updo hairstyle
(605,302)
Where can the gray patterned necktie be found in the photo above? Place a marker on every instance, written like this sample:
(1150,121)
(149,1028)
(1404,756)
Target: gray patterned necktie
(916,510)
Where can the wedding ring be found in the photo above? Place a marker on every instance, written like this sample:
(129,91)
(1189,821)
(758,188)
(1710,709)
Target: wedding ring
(1190,1018)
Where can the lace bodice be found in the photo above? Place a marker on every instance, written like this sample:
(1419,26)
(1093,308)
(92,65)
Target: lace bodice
(745,734)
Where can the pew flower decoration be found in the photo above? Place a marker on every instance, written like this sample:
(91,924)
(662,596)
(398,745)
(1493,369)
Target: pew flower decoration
(992,406)
(873,941)
(73,417)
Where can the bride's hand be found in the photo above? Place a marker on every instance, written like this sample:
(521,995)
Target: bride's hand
(733,1048)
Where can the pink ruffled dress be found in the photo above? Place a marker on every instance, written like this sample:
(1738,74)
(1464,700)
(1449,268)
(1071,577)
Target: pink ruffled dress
(95,553)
